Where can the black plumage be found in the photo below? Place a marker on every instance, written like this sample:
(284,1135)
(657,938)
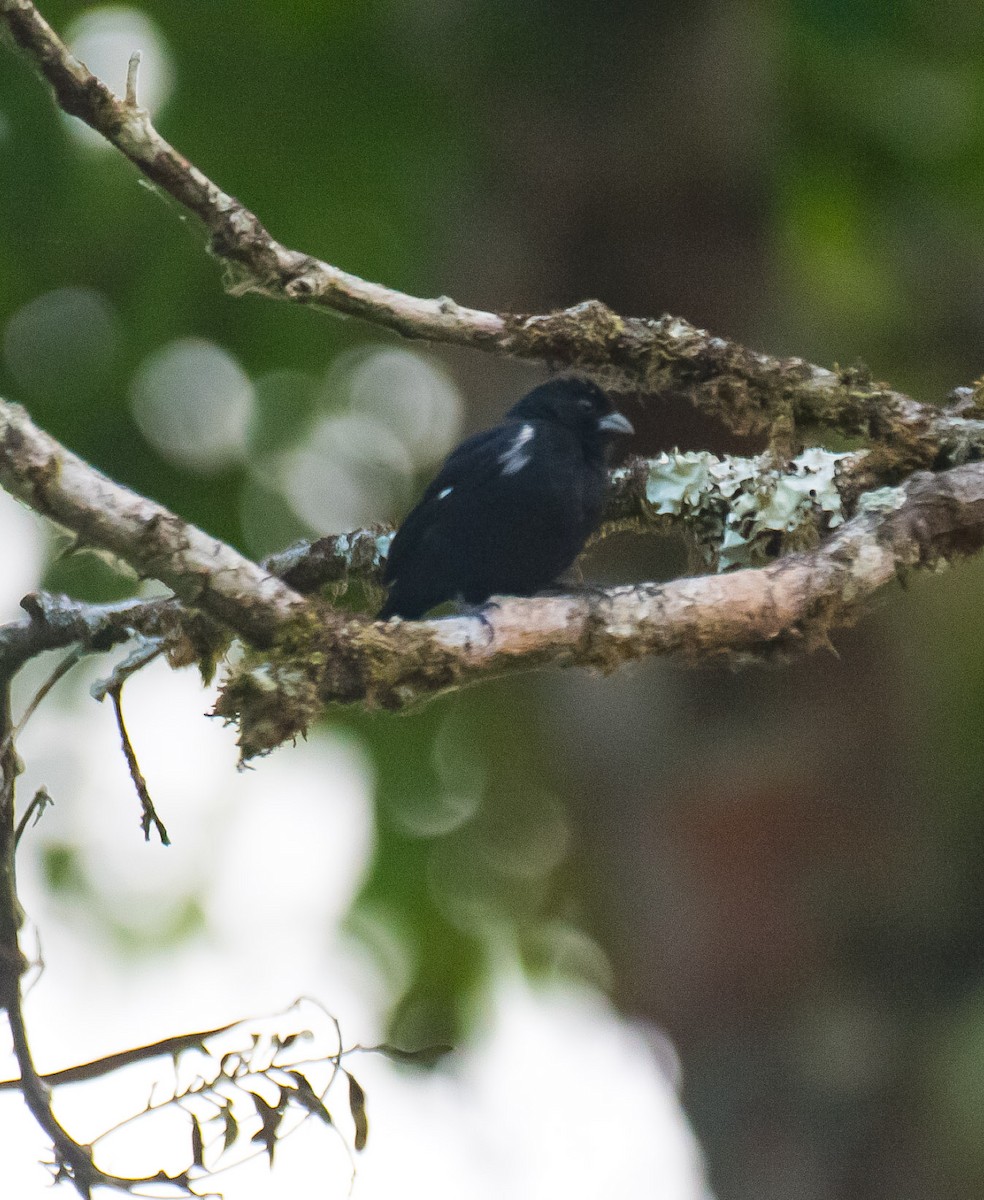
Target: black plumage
(512,507)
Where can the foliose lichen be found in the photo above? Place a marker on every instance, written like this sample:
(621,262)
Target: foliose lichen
(736,508)
(882,500)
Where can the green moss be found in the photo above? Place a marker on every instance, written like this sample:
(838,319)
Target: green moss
(273,695)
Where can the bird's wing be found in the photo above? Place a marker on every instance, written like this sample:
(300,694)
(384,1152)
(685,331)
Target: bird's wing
(468,469)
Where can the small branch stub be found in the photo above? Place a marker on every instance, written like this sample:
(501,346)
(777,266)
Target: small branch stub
(132,69)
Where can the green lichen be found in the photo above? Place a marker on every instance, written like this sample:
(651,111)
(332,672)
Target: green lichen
(738,508)
(882,500)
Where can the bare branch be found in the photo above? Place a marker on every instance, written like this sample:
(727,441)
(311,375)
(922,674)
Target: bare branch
(58,673)
(12,961)
(124,1058)
(201,570)
(71,1156)
(185,636)
(134,662)
(132,71)
(752,393)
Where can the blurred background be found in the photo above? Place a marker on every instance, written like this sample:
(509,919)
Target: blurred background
(772,879)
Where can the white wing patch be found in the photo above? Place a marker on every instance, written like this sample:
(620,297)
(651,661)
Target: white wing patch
(517,456)
(444,493)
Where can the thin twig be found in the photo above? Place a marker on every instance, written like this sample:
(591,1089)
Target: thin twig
(98,1067)
(39,802)
(58,673)
(205,1088)
(71,1157)
(74,1161)
(149,817)
(134,662)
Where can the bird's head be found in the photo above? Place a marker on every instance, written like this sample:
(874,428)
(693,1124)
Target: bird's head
(579,405)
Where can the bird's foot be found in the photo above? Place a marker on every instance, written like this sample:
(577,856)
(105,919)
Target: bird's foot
(479,612)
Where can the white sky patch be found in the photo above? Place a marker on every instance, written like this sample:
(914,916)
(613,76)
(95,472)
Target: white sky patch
(516,457)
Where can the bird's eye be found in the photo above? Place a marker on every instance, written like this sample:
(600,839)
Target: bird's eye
(585,404)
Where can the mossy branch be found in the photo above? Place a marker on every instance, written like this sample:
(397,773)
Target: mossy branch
(736,510)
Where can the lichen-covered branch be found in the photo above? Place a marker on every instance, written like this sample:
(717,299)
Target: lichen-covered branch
(751,393)
(201,570)
(335,559)
(734,510)
(789,607)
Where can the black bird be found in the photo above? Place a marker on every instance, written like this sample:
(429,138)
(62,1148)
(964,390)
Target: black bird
(511,508)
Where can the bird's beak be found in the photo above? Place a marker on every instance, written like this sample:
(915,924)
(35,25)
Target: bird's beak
(614,422)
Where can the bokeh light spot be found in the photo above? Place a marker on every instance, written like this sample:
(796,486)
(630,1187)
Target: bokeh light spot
(193,402)
(61,344)
(352,470)
(391,415)
(413,397)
